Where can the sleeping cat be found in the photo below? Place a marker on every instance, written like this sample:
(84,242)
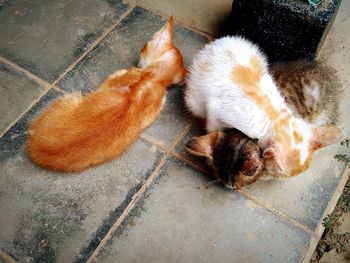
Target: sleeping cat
(235,158)
(229,85)
(77,132)
(311,89)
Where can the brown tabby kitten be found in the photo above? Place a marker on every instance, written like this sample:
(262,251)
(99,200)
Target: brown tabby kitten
(310,88)
(235,158)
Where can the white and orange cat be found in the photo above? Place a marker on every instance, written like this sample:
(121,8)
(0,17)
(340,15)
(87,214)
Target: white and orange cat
(230,86)
(77,132)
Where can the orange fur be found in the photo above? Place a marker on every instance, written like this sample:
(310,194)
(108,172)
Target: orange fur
(295,159)
(249,78)
(298,138)
(77,132)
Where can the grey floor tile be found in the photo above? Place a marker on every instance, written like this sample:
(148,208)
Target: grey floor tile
(46,36)
(54,217)
(172,119)
(205,15)
(183,219)
(14,139)
(188,42)
(16,93)
(304,197)
(197,129)
(121,50)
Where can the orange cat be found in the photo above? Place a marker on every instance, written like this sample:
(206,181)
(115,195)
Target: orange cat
(77,132)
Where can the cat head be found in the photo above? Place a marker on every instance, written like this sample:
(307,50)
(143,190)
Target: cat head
(234,158)
(290,159)
(161,55)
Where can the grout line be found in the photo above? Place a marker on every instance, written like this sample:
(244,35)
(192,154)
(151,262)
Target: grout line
(207,35)
(249,196)
(136,196)
(320,228)
(121,218)
(46,85)
(269,207)
(6,257)
(59,90)
(30,75)
(189,162)
(36,100)
(177,21)
(156,143)
(242,192)
(172,153)
(93,45)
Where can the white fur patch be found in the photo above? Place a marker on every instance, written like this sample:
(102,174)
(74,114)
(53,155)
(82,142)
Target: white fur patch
(163,102)
(312,94)
(119,73)
(74,97)
(213,95)
(143,63)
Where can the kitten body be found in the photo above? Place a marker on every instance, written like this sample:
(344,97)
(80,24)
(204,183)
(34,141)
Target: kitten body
(312,91)
(77,132)
(229,85)
(234,157)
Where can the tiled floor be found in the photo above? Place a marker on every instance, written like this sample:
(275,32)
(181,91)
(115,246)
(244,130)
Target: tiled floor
(204,15)
(152,204)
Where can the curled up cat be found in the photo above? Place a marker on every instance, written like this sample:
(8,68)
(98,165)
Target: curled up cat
(230,86)
(76,132)
(235,158)
(310,88)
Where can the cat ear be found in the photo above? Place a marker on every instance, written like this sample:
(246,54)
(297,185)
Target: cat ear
(325,135)
(204,145)
(165,35)
(269,153)
(273,155)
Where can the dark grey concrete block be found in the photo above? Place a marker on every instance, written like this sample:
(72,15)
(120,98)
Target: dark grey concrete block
(285,29)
